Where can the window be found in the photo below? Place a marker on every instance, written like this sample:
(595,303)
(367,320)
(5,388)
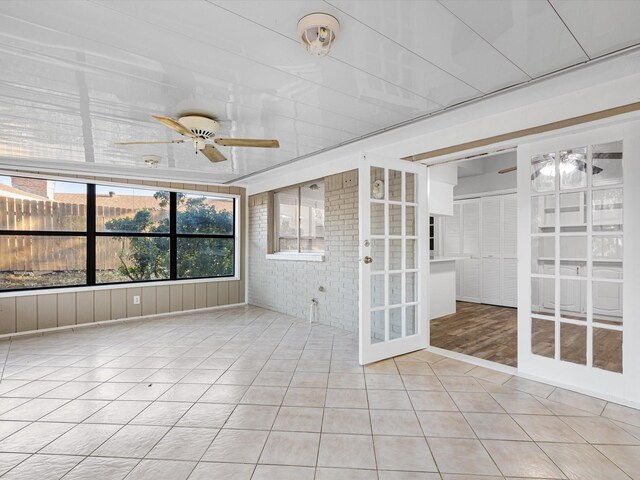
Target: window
(299,219)
(56,234)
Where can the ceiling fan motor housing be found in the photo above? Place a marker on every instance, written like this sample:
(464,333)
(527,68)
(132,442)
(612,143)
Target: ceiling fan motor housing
(203,127)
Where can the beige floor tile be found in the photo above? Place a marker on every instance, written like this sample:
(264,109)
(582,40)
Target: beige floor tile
(422,382)
(183,443)
(437,401)
(10,460)
(397,475)
(521,459)
(545,428)
(252,417)
(273,379)
(403,453)
(161,470)
(582,462)
(236,446)
(300,419)
(305,397)
(278,472)
(346,380)
(600,430)
(449,366)
(346,398)
(259,395)
(162,413)
(131,441)
(383,381)
(384,366)
(578,400)
(81,439)
(622,414)
(346,451)
(43,467)
(184,392)
(223,394)
(310,379)
(222,471)
(291,448)
(444,424)
(414,368)
(626,457)
(32,438)
(460,383)
(343,420)
(463,456)
(529,386)
(395,422)
(325,473)
(207,415)
(102,468)
(495,426)
(489,375)
(476,402)
(389,400)
(521,403)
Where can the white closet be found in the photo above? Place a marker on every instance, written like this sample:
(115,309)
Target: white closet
(484,230)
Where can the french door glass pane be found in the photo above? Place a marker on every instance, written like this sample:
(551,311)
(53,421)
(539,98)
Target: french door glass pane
(543,337)
(395,220)
(395,288)
(607,349)
(377,290)
(543,255)
(607,210)
(573,212)
(377,187)
(573,168)
(411,320)
(411,220)
(607,302)
(377,326)
(395,185)
(411,253)
(607,164)
(543,172)
(573,343)
(377,219)
(543,214)
(377,254)
(573,294)
(395,323)
(543,296)
(395,254)
(410,187)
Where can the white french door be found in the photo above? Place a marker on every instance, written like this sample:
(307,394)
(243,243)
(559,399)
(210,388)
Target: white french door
(394,258)
(578,320)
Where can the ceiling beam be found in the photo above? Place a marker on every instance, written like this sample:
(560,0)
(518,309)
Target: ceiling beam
(547,127)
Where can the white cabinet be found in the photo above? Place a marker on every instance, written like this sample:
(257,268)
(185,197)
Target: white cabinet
(484,230)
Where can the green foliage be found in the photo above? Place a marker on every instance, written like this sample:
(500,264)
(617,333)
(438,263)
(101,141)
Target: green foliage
(147,258)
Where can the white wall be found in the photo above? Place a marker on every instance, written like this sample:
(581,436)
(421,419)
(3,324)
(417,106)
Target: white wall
(488,180)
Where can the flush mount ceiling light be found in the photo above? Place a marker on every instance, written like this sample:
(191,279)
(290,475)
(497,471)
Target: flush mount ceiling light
(151,161)
(317,32)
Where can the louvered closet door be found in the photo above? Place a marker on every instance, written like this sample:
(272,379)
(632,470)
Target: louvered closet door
(471,248)
(491,247)
(509,274)
(452,242)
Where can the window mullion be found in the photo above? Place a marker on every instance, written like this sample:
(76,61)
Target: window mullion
(91,234)
(173,235)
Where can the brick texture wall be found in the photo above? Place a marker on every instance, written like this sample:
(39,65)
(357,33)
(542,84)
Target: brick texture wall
(288,286)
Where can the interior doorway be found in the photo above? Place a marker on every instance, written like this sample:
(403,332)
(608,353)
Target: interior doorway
(475,238)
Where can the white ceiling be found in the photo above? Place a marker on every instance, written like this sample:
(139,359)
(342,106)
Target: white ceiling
(77,76)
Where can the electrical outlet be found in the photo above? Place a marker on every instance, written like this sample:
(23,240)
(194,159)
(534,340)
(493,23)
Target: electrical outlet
(136,299)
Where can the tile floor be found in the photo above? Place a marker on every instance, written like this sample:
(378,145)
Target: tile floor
(251,394)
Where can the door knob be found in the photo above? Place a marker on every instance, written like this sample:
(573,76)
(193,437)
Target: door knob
(368,259)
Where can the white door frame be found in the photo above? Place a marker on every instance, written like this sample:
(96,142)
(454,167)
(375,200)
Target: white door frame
(625,387)
(382,349)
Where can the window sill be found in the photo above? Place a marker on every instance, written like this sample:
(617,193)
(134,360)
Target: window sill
(299,257)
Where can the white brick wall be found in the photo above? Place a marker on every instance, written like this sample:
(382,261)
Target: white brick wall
(288,286)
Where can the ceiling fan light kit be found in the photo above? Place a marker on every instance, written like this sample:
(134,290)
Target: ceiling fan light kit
(317,32)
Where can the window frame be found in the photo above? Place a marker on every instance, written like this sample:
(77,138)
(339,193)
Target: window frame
(275,222)
(91,234)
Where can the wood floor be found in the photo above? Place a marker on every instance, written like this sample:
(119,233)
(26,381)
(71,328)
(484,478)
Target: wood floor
(483,331)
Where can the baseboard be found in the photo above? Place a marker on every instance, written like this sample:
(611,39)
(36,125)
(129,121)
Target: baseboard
(34,333)
(473,360)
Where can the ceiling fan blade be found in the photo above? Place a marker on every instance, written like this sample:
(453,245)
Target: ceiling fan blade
(247,142)
(174,124)
(508,169)
(147,143)
(213,154)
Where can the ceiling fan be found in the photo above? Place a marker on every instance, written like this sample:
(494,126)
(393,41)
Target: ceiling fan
(200,130)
